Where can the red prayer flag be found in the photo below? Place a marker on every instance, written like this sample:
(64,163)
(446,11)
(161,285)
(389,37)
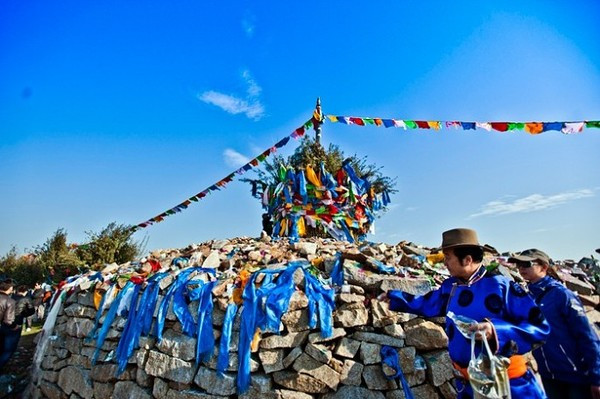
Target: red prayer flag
(500,126)
(357,121)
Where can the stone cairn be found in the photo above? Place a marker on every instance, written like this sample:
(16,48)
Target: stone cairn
(297,363)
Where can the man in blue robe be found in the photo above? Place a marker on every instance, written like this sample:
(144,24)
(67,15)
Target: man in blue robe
(508,318)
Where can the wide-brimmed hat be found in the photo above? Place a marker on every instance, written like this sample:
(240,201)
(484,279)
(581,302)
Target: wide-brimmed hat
(530,255)
(462,237)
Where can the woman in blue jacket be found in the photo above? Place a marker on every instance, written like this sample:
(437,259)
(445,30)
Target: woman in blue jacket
(508,317)
(569,362)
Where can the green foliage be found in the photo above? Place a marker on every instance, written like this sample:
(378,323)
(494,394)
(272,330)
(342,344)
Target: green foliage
(24,270)
(56,259)
(309,152)
(112,244)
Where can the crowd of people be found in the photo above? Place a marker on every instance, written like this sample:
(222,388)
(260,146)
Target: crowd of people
(20,307)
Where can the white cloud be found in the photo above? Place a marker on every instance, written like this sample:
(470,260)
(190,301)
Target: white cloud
(248,24)
(531,203)
(250,106)
(234,159)
(253,88)
(233,105)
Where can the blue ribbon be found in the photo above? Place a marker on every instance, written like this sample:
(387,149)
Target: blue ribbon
(302,187)
(130,333)
(177,291)
(337,273)
(205,342)
(389,357)
(92,334)
(319,296)
(354,178)
(223,359)
(110,316)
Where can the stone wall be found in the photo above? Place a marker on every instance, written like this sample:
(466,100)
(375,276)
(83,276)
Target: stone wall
(297,363)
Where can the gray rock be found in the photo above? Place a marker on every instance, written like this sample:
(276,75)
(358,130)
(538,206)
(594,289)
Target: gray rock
(306,248)
(208,380)
(77,310)
(351,315)
(447,390)
(103,390)
(351,373)
(318,352)
(380,339)
(160,388)
(51,376)
(395,330)
(78,327)
(292,356)
(414,286)
(370,353)
(75,379)
(129,390)
(289,340)
(350,298)
(352,392)
(298,301)
(296,320)
(142,378)
(382,315)
(178,345)
(575,284)
(271,360)
(416,378)
(164,366)
(316,337)
(299,382)
(212,261)
(425,335)
(107,372)
(439,367)
(51,391)
(211,363)
(319,371)
(425,391)
(189,394)
(375,379)
(347,348)
(285,394)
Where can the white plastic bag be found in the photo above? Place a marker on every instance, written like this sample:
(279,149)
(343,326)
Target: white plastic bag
(488,373)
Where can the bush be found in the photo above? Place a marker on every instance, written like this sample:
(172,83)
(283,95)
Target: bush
(112,244)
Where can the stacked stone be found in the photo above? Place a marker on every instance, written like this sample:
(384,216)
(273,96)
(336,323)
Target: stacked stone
(296,363)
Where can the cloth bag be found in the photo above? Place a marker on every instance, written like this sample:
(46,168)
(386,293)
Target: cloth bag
(488,373)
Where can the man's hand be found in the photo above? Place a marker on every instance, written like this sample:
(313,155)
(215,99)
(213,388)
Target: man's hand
(595,392)
(481,330)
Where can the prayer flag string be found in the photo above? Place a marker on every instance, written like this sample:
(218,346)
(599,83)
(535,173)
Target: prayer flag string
(227,179)
(529,127)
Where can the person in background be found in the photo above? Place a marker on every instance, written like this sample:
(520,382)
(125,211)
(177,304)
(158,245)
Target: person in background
(23,309)
(7,318)
(24,306)
(38,296)
(569,362)
(505,315)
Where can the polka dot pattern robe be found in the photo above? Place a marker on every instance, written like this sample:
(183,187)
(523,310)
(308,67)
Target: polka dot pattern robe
(518,322)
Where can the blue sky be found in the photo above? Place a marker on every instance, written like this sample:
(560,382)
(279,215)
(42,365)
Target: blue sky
(117,111)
